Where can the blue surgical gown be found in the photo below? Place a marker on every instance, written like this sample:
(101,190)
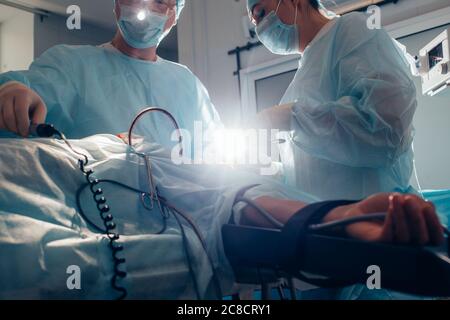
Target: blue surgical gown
(352,119)
(90,90)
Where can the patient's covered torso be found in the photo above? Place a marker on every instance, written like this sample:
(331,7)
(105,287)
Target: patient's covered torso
(42,233)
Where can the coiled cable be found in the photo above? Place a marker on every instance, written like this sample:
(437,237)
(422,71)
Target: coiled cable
(47,131)
(168,209)
(108,223)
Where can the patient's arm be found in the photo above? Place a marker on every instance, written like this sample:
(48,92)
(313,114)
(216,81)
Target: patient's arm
(410,219)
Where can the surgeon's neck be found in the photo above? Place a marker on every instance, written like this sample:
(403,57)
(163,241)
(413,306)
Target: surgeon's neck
(310,24)
(120,44)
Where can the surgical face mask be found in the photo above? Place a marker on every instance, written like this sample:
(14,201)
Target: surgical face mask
(140,27)
(277,36)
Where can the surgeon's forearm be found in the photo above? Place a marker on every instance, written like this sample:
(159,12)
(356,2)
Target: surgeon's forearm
(12,77)
(370,131)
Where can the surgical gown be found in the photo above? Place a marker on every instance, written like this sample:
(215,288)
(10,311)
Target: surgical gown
(90,90)
(352,118)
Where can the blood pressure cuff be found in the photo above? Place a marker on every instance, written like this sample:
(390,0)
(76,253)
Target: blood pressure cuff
(297,228)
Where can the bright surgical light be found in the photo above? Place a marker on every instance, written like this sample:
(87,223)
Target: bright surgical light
(141,15)
(231,147)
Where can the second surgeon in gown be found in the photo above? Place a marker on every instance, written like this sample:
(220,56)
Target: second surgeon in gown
(348,112)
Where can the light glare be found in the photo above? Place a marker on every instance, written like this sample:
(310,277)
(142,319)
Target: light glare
(141,15)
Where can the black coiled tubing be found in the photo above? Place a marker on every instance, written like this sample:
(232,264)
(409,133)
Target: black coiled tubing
(47,131)
(110,227)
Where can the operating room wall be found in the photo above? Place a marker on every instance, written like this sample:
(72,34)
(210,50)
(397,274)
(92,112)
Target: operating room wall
(52,30)
(16,41)
(432,123)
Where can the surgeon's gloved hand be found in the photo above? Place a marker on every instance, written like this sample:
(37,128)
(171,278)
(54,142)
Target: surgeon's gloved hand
(410,220)
(277,117)
(20,106)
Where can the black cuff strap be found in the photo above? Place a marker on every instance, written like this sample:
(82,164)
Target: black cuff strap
(295,230)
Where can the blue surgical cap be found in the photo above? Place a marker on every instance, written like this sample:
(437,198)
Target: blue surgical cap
(251,4)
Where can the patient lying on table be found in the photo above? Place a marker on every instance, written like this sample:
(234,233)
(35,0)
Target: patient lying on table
(42,232)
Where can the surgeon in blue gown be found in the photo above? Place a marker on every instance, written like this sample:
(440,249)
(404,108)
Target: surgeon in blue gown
(86,90)
(347,115)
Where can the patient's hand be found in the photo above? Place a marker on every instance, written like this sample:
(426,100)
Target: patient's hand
(410,220)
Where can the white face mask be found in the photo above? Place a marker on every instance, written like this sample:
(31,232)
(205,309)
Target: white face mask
(277,36)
